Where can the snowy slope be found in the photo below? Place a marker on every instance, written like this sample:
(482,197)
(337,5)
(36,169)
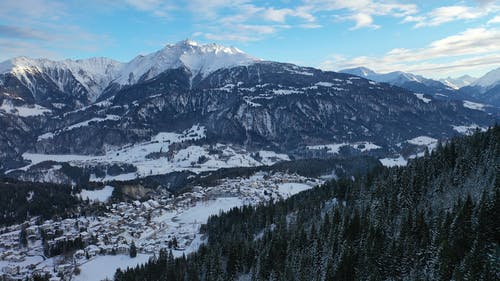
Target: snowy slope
(94,74)
(412,82)
(24,110)
(459,82)
(396,77)
(199,59)
(489,80)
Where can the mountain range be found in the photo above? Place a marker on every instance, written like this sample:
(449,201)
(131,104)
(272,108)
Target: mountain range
(199,107)
(482,90)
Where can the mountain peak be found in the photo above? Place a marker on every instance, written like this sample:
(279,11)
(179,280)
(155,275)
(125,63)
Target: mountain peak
(200,59)
(489,80)
(359,71)
(458,82)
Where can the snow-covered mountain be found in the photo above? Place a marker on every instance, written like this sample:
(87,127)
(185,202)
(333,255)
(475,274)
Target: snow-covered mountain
(92,75)
(43,81)
(199,59)
(395,77)
(489,80)
(485,89)
(458,82)
(405,80)
(140,115)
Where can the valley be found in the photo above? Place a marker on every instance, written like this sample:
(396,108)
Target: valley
(129,169)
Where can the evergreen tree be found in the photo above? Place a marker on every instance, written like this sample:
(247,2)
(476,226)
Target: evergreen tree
(133,250)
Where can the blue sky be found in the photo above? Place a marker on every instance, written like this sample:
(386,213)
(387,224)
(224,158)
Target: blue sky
(433,38)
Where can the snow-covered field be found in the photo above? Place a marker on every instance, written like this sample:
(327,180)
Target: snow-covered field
(203,210)
(289,189)
(24,110)
(474,105)
(334,148)
(99,195)
(468,129)
(422,98)
(431,143)
(102,267)
(391,162)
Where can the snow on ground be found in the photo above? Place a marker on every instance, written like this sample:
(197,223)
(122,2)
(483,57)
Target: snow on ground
(474,105)
(28,261)
(85,123)
(99,195)
(324,84)
(391,162)
(203,210)
(468,129)
(45,136)
(285,92)
(431,143)
(24,110)
(334,148)
(120,177)
(96,119)
(289,189)
(422,98)
(185,158)
(102,267)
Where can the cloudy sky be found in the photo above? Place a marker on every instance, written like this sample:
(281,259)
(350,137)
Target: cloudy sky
(428,37)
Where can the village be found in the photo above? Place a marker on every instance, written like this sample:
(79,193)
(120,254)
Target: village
(61,249)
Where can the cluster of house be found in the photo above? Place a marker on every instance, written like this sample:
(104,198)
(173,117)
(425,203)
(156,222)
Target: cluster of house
(150,224)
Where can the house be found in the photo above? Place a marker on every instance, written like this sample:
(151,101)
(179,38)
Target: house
(122,249)
(79,254)
(92,250)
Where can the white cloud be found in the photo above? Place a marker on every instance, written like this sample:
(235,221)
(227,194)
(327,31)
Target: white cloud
(447,14)
(229,17)
(280,15)
(245,21)
(363,11)
(466,50)
(494,20)
(363,20)
(28,10)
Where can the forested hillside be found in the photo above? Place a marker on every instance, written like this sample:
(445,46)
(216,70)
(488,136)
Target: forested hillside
(20,201)
(435,219)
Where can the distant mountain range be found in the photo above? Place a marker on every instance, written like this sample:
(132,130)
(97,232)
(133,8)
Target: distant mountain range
(483,90)
(405,80)
(486,89)
(459,82)
(200,107)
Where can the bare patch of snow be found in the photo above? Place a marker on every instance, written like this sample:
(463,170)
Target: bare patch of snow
(422,98)
(102,267)
(392,162)
(468,129)
(474,105)
(286,92)
(334,148)
(97,119)
(98,195)
(289,189)
(324,84)
(431,143)
(24,110)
